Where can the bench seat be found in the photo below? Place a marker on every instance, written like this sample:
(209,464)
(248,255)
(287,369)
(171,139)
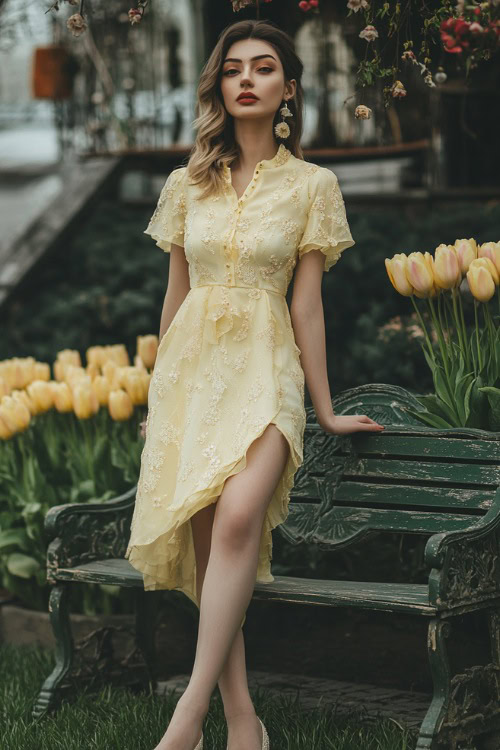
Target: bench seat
(393,597)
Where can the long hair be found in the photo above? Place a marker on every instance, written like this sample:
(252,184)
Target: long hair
(215,145)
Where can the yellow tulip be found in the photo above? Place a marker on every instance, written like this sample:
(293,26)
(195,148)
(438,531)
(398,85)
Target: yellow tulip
(118,354)
(96,355)
(4,388)
(41,395)
(466,251)
(92,370)
(70,356)
(100,384)
(134,387)
(490,266)
(111,372)
(5,432)
(120,405)
(420,274)
(23,396)
(480,279)
(41,371)
(85,403)
(447,273)
(76,376)
(14,413)
(396,270)
(138,363)
(63,399)
(490,250)
(147,347)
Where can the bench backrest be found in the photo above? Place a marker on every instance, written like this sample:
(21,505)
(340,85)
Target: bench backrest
(410,478)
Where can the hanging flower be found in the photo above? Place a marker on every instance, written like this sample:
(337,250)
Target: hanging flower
(134,15)
(76,24)
(398,90)
(282,130)
(308,4)
(362,112)
(369,33)
(408,54)
(356,5)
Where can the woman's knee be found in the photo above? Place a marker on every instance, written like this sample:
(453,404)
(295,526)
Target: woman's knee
(236,524)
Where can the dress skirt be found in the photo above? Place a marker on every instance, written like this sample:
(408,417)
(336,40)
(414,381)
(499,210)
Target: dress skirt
(226,368)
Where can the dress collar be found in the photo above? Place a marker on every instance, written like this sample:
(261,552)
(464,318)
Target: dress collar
(280,157)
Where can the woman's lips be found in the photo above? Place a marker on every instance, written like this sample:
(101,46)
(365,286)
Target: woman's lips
(247,100)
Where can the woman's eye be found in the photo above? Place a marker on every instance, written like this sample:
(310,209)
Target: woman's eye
(230,70)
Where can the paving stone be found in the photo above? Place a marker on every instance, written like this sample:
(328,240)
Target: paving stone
(406,707)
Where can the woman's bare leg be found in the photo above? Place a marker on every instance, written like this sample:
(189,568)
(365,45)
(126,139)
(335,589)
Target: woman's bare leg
(227,589)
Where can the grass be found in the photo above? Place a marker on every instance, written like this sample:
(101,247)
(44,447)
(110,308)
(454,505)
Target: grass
(116,718)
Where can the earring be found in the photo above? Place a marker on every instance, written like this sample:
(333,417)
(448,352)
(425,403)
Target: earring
(281,129)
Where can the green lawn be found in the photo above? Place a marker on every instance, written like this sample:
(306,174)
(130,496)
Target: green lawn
(118,719)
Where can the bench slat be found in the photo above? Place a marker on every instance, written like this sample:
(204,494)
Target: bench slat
(363,493)
(340,525)
(390,467)
(367,595)
(427,444)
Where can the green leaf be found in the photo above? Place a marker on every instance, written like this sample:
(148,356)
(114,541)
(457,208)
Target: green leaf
(432,420)
(493,395)
(13,538)
(21,565)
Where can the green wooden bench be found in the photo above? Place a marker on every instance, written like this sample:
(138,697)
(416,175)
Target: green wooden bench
(411,479)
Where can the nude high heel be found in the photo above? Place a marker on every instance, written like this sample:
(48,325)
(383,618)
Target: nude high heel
(265,737)
(199,746)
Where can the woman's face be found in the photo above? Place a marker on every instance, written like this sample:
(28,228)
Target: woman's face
(263,77)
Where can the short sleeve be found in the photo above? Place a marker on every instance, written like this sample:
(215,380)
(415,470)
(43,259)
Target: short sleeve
(166,225)
(326,227)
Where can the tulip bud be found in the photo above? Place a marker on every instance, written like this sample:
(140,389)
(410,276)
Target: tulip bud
(63,399)
(120,405)
(420,275)
(447,273)
(466,251)
(40,393)
(480,279)
(14,413)
(490,250)
(41,371)
(147,347)
(101,388)
(85,403)
(96,355)
(396,270)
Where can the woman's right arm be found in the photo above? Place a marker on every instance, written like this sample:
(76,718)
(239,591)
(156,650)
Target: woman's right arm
(177,288)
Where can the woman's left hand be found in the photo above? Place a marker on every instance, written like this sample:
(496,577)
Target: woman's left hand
(343,425)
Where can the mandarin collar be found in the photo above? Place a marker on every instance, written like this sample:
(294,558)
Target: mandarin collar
(280,157)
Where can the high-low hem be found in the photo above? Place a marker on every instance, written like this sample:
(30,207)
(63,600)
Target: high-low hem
(163,574)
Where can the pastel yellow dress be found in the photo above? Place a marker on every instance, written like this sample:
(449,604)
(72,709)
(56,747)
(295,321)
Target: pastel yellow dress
(228,365)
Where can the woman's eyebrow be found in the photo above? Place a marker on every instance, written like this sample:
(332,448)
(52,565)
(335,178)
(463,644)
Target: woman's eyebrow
(257,57)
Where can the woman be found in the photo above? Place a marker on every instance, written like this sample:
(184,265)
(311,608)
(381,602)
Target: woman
(226,416)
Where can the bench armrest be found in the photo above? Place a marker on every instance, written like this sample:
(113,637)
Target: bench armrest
(465,564)
(80,533)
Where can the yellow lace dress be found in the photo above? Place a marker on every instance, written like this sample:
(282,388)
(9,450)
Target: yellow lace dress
(228,365)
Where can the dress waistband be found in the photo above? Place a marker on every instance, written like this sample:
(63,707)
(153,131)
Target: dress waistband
(235,286)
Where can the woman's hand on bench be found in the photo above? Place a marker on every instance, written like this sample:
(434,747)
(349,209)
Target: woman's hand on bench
(343,425)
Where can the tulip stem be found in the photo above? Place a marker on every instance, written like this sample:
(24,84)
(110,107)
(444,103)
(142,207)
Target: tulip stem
(491,333)
(464,332)
(442,343)
(423,327)
(479,358)
(462,339)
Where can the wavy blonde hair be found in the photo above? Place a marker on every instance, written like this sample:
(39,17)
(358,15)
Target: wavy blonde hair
(215,145)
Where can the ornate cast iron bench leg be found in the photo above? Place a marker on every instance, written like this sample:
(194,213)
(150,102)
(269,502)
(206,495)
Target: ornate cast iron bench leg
(61,626)
(438,631)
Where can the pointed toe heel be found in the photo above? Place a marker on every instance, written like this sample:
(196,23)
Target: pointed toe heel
(199,746)
(265,737)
